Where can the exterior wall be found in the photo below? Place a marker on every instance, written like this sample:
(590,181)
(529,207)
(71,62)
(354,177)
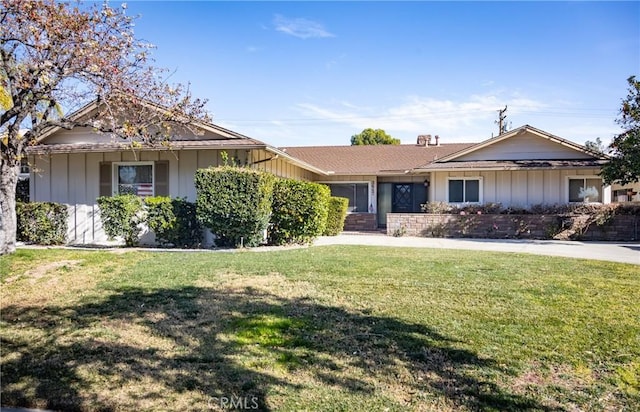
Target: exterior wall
(522,188)
(361,222)
(527,146)
(280,167)
(621,228)
(74,179)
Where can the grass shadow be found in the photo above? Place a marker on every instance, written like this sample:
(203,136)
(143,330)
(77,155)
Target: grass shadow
(207,341)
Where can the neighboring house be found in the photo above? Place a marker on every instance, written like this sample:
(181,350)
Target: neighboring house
(77,166)
(521,168)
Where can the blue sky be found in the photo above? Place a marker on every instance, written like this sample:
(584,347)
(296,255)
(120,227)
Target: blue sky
(315,73)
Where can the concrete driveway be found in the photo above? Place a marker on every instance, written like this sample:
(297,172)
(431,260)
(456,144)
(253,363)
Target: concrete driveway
(610,251)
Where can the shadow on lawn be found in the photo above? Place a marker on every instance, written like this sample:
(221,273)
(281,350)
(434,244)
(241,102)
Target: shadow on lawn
(320,341)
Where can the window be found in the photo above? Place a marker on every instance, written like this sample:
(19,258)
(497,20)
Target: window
(585,189)
(134,178)
(357,193)
(465,190)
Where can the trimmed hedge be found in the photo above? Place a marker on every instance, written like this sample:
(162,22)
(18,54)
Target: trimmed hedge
(173,221)
(43,223)
(234,203)
(337,214)
(299,211)
(121,216)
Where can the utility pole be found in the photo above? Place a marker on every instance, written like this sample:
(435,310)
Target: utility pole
(502,125)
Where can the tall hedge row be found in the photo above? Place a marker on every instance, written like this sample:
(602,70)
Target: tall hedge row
(234,203)
(337,214)
(43,223)
(299,211)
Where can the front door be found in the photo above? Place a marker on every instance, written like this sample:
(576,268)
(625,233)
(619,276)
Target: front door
(402,198)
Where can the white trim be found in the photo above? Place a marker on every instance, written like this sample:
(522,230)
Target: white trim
(480,189)
(584,178)
(114,174)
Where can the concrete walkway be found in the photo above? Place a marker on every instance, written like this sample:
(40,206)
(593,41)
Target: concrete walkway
(610,251)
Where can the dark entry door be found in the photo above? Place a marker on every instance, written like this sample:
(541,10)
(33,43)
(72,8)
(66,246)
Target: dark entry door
(402,198)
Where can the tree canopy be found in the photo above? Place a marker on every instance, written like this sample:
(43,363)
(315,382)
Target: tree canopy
(624,166)
(56,58)
(373,137)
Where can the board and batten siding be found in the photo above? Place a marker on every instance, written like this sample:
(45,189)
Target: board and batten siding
(74,179)
(521,188)
(526,146)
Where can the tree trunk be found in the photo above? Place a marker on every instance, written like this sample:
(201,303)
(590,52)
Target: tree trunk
(8,221)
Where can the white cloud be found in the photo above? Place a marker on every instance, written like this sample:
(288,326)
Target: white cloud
(300,27)
(471,119)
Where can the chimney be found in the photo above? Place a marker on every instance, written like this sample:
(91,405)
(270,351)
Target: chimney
(437,140)
(423,140)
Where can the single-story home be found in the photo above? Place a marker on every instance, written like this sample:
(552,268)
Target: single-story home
(523,167)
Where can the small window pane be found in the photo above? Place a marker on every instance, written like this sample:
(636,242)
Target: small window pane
(575,186)
(135,179)
(362,197)
(456,191)
(472,190)
(593,190)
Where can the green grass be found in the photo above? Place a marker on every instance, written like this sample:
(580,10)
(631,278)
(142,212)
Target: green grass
(323,328)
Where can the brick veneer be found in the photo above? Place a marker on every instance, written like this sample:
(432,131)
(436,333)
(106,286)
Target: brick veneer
(620,228)
(361,222)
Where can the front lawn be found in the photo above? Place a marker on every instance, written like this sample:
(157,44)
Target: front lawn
(322,328)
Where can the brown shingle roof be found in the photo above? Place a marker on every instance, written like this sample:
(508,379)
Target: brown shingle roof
(246,143)
(371,160)
(514,164)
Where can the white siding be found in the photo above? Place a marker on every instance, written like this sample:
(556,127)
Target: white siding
(522,188)
(526,146)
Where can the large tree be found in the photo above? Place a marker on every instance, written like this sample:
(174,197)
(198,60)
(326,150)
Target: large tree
(372,137)
(56,58)
(624,166)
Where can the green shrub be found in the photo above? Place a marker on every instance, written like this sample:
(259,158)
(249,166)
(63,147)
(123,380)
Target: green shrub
(234,203)
(43,223)
(299,211)
(337,214)
(121,216)
(173,221)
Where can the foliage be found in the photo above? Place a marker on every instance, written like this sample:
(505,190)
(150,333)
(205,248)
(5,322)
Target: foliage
(336,215)
(573,209)
(55,55)
(173,221)
(22,190)
(42,223)
(234,203)
(373,137)
(299,211)
(121,216)
(595,146)
(624,166)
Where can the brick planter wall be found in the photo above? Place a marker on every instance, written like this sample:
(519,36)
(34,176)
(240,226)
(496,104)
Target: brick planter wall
(361,222)
(620,228)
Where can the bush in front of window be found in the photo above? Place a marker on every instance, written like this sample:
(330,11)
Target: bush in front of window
(298,212)
(42,223)
(173,221)
(336,216)
(121,216)
(234,203)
